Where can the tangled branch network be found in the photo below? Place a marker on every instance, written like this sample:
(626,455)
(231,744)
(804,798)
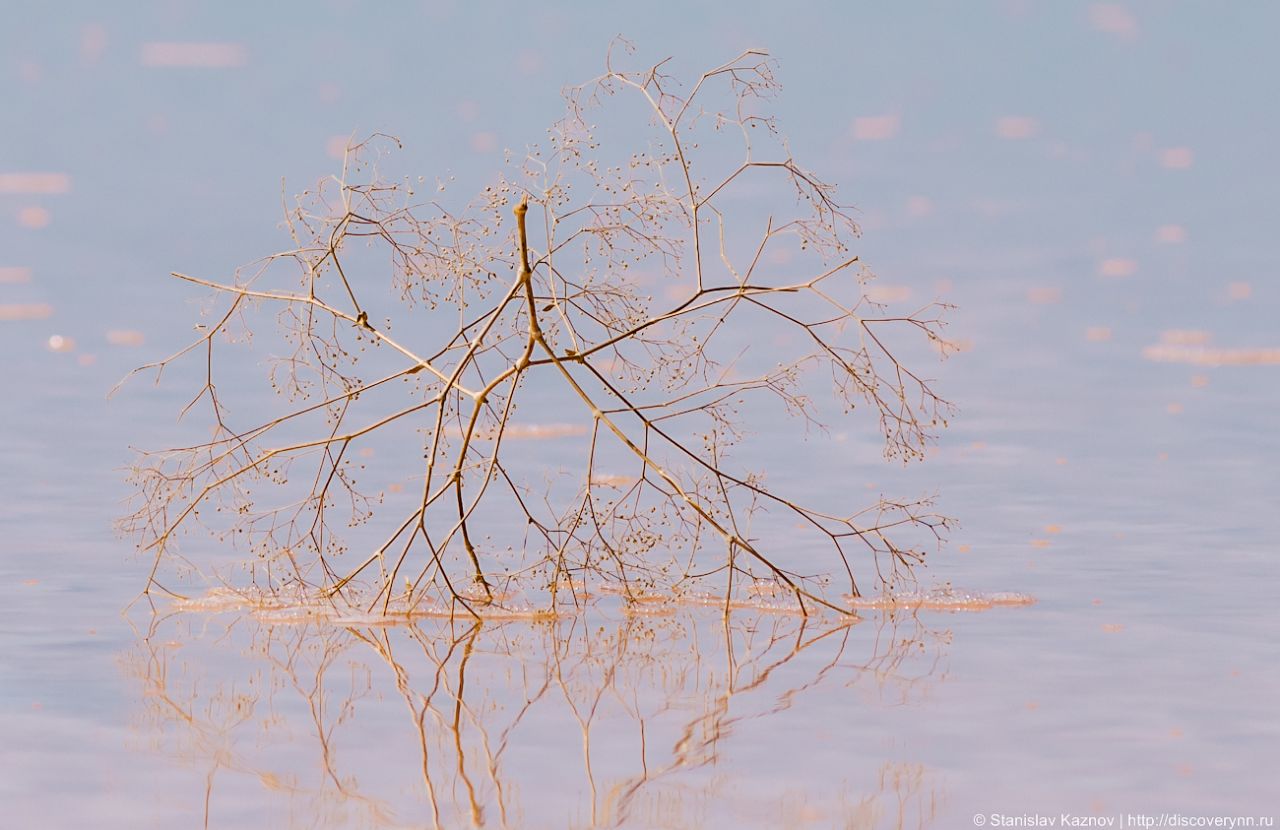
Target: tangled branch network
(608,285)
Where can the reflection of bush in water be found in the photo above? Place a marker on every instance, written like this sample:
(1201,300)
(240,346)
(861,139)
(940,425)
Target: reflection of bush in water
(597,720)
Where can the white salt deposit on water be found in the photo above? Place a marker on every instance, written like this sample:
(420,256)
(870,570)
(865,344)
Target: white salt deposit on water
(941,599)
(284,608)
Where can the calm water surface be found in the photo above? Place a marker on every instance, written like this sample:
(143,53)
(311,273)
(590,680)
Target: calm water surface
(1089,184)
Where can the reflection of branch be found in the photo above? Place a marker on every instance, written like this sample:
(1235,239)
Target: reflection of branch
(676,689)
(208,725)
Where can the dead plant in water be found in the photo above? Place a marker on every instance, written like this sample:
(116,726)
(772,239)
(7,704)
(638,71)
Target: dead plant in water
(639,283)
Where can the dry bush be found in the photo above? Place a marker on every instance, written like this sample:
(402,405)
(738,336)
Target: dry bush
(645,284)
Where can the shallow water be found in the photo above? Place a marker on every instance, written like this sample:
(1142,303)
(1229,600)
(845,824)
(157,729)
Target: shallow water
(1044,175)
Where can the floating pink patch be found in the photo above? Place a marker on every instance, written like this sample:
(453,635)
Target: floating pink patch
(44,184)
(484,142)
(919,206)
(1177,158)
(888,293)
(876,127)
(529,61)
(93,42)
(1044,295)
(1117,267)
(1113,19)
(194,55)
(1205,356)
(1015,127)
(34,217)
(25,311)
(1185,337)
(336,146)
(125,337)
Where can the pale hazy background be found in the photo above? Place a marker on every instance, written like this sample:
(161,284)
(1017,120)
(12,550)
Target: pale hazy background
(1093,184)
